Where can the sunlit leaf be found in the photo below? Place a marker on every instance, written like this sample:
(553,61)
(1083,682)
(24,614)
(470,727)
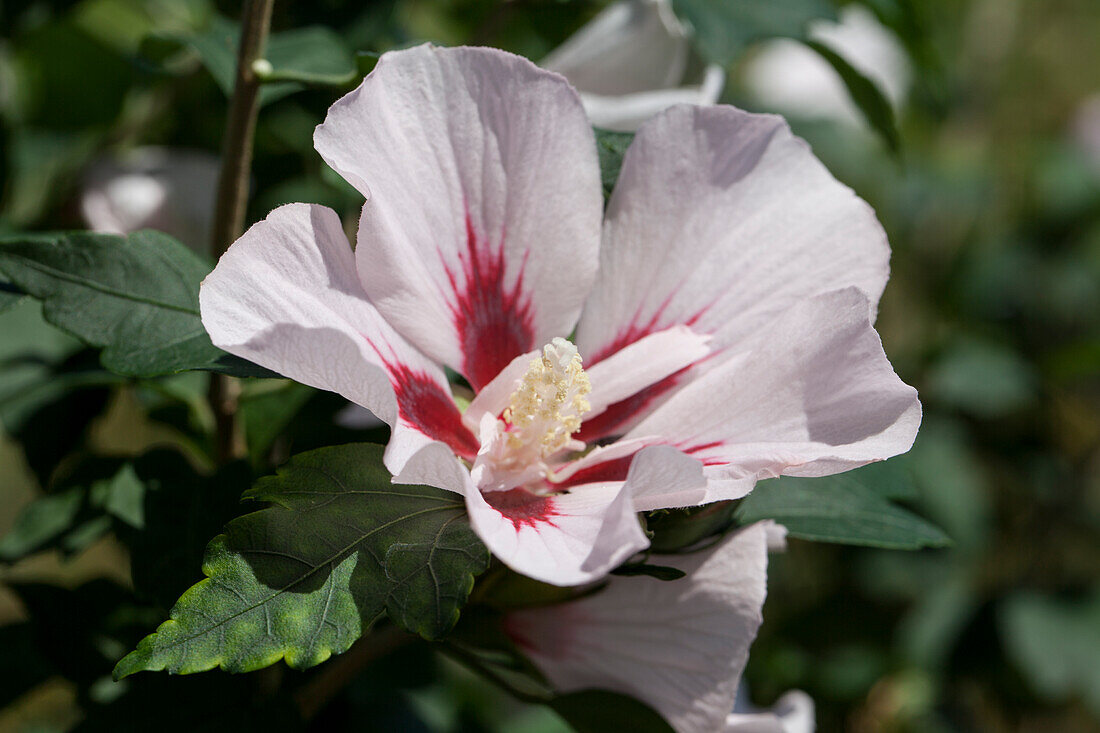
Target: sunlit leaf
(303,579)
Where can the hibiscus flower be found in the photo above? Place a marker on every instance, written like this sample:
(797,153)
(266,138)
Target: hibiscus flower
(721,309)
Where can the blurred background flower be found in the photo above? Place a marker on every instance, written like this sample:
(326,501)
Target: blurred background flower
(633,60)
(152,188)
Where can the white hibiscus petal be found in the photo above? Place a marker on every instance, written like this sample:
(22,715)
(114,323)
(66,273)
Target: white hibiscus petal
(286,296)
(642,363)
(680,646)
(479,239)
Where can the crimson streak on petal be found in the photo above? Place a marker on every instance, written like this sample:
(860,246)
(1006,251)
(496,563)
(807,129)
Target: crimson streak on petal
(522,508)
(493,322)
(424,405)
(618,414)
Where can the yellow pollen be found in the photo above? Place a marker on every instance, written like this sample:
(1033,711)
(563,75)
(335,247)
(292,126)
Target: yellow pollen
(546,408)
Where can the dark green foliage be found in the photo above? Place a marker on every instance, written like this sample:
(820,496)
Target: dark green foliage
(135,297)
(306,577)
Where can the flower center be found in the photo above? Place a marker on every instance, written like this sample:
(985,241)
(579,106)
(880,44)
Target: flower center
(546,408)
(542,414)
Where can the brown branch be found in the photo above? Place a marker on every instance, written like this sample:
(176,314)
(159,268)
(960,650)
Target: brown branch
(232,201)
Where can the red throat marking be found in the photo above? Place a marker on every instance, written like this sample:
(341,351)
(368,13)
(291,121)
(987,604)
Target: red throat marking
(494,323)
(422,403)
(522,508)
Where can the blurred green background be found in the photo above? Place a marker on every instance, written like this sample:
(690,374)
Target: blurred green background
(992,205)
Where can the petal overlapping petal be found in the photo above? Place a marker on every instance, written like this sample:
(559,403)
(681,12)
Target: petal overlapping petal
(286,296)
(479,237)
(811,395)
(720,221)
(680,645)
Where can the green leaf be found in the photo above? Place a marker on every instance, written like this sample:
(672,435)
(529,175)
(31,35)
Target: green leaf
(611,147)
(865,94)
(312,55)
(598,711)
(135,297)
(9,295)
(267,409)
(315,55)
(891,479)
(79,510)
(838,509)
(303,579)
(42,521)
(723,28)
(1055,644)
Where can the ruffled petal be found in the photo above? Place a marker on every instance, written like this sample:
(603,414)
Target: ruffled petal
(679,646)
(286,296)
(563,539)
(479,239)
(720,221)
(811,396)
